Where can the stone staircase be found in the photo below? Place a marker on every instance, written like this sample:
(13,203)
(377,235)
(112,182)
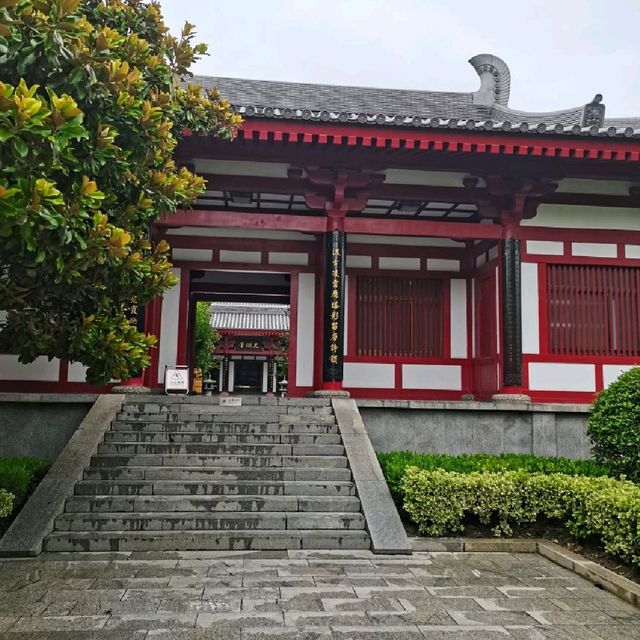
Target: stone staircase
(183,473)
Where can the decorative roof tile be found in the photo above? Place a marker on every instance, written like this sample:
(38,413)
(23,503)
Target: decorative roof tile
(248,316)
(484,110)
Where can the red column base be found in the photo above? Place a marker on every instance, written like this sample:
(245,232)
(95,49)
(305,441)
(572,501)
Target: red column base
(334,385)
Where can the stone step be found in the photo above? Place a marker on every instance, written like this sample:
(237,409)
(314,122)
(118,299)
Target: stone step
(215,449)
(205,540)
(230,487)
(211,503)
(249,418)
(207,521)
(247,400)
(216,473)
(152,408)
(199,437)
(225,428)
(194,460)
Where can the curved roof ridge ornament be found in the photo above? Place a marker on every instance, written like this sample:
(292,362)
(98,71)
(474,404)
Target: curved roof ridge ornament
(495,80)
(593,113)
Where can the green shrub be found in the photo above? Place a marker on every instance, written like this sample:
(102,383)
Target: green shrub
(608,509)
(394,464)
(19,476)
(614,425)
(6,503)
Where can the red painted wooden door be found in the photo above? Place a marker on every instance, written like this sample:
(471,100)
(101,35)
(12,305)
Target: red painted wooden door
(486,361)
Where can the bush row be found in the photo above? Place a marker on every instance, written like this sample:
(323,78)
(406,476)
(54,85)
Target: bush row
(6,503)
(395,463)
(439,502)
(19,476)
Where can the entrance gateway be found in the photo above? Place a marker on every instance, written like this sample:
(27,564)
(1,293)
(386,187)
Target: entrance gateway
(430,245)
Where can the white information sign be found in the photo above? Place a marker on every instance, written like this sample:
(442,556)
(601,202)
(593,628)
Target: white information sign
(230,402)
(176,380)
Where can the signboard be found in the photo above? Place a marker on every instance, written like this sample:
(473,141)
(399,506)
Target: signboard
(248,344)
(176,380)
(197,381)
(231,402)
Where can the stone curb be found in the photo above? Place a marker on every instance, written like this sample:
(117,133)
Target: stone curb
(593,572)
(383,522)
(473,405)
(57,398)
(35,520)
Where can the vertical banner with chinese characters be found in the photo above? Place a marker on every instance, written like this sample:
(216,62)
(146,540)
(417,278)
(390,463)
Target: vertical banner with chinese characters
(334,306)
(512,313)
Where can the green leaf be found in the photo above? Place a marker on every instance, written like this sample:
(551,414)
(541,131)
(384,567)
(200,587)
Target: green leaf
(20,147)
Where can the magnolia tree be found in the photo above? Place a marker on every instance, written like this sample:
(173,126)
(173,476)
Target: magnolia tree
(91,109)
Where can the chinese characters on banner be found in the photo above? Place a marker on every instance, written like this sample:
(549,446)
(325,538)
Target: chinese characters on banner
(334,301)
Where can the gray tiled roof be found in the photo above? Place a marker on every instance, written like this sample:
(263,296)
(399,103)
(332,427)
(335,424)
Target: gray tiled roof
(486,109)
(247,316)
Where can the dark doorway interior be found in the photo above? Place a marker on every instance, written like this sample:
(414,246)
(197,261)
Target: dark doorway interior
(248,376)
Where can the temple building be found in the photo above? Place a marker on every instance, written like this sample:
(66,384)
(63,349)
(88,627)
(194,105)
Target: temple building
(252,337)
(429,245)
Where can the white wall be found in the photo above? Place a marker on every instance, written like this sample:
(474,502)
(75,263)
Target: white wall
(367,375)
(168,343)
(557,376)
(530,310)
(432,376)
(41,369)
(563,216)
(305,329)
(458,318)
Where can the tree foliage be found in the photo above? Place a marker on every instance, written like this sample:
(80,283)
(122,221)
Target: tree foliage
(91,110)
(206,338)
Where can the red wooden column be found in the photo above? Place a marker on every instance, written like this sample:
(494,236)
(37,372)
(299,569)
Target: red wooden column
(512,200)
(183,317)
(336,192)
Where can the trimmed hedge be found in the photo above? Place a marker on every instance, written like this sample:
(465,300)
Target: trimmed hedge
(614,425)
(6,503)
(395,463)
(20,476)
(439,502)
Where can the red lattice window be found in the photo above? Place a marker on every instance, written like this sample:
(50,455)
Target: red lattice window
(593,310)
(399,317)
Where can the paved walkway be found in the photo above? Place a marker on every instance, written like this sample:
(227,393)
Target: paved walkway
(305,595)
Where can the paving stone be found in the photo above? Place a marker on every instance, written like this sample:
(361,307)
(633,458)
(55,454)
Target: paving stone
(295,633)
(573,618)
(151,621)
(620,632)
(560,633)
(59,623)
(228,632)
(466,633)
(305,596)
(7,621)
(405,632)
(244,618)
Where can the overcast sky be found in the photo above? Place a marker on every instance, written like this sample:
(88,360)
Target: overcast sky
(560,52)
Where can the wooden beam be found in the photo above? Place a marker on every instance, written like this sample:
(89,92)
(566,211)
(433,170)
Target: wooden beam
(427,228)
(242,220)
(318,224)
(423,193)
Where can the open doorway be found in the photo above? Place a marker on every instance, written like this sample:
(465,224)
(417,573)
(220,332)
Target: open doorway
(249,312)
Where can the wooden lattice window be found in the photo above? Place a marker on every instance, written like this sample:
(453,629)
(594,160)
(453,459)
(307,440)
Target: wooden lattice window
(399,317)
(593,310)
